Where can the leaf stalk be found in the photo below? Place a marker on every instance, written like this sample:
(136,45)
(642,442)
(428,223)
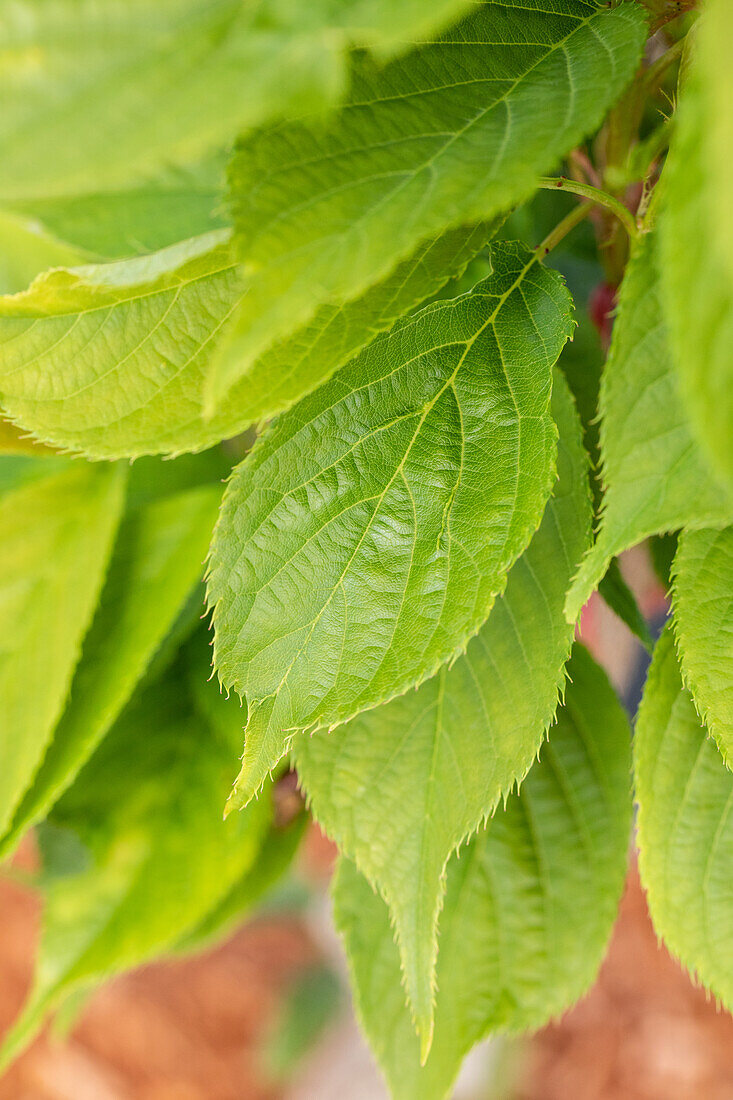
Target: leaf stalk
(593,195)
(563,227)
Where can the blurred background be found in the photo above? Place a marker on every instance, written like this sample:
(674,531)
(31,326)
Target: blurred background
(267,1015)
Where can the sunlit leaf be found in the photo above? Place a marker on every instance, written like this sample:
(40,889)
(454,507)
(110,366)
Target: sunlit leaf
(400,787)
(655,476)
(685,828)
(364,539)
(56,535)
(95,94)
(529,905)
(703,614)
(697,237)
(110,359)
(449,134)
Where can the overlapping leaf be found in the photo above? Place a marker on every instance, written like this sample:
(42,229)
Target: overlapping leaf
(15,442)
(400,787)
(582,364)
(272,862)
(698,238)
(27,248)
(363,540)
(156,562)
(147,806)
(56,537)
(655,475)
(529,904)
(110,359)
(173,205)
(95,94)
(685,828)
(703,613)
(450,134)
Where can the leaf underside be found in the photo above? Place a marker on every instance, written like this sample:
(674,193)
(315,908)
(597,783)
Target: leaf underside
(655,475)
(697,239)
(109,360)
(685,828)
(529,906)
(703,624)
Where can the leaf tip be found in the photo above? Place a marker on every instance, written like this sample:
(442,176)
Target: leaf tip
(237,800)
(426,1028)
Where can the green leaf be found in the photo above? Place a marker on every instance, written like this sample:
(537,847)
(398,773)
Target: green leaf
(148,808)
(144,217)
(582,364)
(23,468)
(152,478)
(619,597)
(529,904)
(697,237)
(28,248)
(310,1006)
(685,829)
(110,359)
(297,365)
(703,622)
(448,135)
(364,538)
(271,863)
(662,549)
(655,477)
(14,441)
(57,534)
(156,562)
(97,94)
(401,787)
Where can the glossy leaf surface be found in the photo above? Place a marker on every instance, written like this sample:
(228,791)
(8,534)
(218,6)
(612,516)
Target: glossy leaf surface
(401,787)
(447,135)
(364,539)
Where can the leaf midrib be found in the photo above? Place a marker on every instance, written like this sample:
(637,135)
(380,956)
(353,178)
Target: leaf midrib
(500,302)
(411,174)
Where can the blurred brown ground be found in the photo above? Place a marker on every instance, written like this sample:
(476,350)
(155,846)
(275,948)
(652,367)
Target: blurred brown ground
(192,1030)
(642,1033)
(184,1030)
